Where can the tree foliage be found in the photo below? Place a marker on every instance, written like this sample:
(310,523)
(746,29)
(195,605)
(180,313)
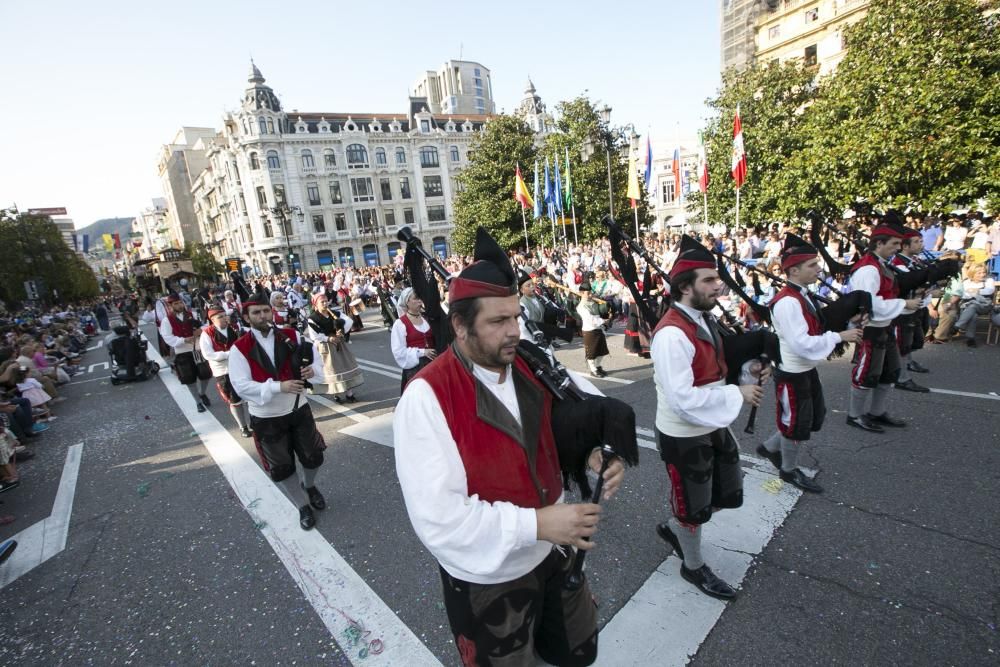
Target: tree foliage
(203,262)
(32,248)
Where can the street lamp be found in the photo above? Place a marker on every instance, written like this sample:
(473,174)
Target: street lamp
(588,150)
(283,214)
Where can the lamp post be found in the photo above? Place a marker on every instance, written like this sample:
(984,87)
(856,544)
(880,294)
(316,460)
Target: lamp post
(588,150)
(283,214)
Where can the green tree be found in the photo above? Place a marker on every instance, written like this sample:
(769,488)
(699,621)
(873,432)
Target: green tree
(204,263)
(912,114)
(772,100)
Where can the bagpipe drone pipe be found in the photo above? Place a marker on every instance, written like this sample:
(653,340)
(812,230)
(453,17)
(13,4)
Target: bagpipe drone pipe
(425,286)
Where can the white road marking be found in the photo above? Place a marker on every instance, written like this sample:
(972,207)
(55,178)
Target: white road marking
(336,407)
(611,379)
(377,429)
(46,538)
(103,377)
(94,347)
(968,394)
(326,580)
(387,367)
(667,619)
(100,364)
(378,371)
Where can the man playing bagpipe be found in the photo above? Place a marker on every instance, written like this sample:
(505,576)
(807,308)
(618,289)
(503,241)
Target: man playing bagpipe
(876,365)
(694,408)
(480,465)
(215,342)
(798,319)
(909,327)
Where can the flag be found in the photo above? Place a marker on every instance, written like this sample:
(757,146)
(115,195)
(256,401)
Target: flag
(676,166)
(702,167)
(86,243)
(569,184)
(521,190)
(76,246)
(538,200)
(109,243)
(633,182)
(648,174)
(548,184)
(558,194)
(117,241)
(739,164)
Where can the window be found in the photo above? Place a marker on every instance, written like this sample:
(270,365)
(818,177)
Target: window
(279,195)
(810,56)
(429,157)
(329,158)
(268,231)
(395,248)
(325,259)
(440,246)
(390,218)
(667,188)
(370,253)
(273,161)
(262,124)
(386,188)
(435,213)
(477,81)
(400,156)
(367,221)
(270,126)
(335,195)
(812,15)
(404,187)
(307,159)
(380,157)
(236,170)
(319,224)
(346,257)
(455,155)
(261,198)
(243,204)
(357,156)
(476,70)
(479,92)
(361,189)
(340,222)
(246,128)
(312,192)
(254,163)
(774,32)
(432,186)
(425,126)
(408,216)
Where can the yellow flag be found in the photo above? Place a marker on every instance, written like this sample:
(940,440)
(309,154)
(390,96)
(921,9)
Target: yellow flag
(109,243)
(633,192)
(521,191)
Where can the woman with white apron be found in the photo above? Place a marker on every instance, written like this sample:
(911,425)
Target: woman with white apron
(340,368)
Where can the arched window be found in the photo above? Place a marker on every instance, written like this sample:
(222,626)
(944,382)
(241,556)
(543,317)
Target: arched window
(254,163)
(262,122)
(270,126)
(346,257)
(357,156)
(400,156)
(440,245)
(273,161)
(329,158)
(455,157)
(380,157)
(371,255)
(325,259)
(429,157)
(307,159)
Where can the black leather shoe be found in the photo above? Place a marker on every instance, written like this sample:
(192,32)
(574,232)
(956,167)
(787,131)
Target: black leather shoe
(245,432)
(601,373)
(306,519)
(885,420)
(914,367)
(667,535)
(201,407)
(316,498)
(773,457)
(709,584)
(204,399)
(351,399)
(797,478)
(864,424)
(910,385)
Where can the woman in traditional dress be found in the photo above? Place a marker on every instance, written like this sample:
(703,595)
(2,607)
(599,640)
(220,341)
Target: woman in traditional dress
(340,368)
(411,338)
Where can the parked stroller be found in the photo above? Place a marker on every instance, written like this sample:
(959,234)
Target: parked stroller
(128,342)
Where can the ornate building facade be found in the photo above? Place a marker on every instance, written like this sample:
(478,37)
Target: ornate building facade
(318,190)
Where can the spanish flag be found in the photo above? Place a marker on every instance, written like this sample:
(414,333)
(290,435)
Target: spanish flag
(521,191)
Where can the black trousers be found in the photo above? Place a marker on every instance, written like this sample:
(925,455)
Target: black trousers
(800,405)
(704,472)
(282,440)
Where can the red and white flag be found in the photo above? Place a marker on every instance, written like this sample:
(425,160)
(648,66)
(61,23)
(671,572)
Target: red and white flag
(702,168)
(739,165)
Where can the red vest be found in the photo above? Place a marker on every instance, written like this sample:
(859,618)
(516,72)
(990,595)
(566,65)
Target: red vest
(709,364)
(220,344)
(180,329)
(497,468)
(279,318)
(887,287)
(423,340)
(246,344)
(815,327)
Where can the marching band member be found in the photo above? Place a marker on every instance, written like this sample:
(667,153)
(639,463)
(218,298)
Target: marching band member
(215,342)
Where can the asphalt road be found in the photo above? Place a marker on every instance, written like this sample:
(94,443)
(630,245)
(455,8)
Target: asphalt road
(895,564)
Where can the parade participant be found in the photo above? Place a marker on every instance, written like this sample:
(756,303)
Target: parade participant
(876,365)
(798,321)
(231,305)
(411,338)
(216,341)
(283,315)
(595,345)
(908,327)
(179,330)
(265,370)
(327,329)
(480,475)
(694,408)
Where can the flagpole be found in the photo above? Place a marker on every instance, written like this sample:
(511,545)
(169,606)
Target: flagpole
(576,240)
(635,209)
(527,246)
(704,213)
(737,208)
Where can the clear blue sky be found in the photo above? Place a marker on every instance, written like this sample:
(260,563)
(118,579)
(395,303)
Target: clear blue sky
(92,89)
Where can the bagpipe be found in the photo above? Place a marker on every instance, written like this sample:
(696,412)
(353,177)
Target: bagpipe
(581,422)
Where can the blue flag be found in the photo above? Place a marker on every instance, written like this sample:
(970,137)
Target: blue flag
(538,200)
(548,185)
(86,243)
(558,193)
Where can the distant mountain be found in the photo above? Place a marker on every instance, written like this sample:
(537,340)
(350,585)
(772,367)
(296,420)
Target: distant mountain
(120,226)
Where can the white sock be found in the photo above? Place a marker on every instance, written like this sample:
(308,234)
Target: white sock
(690,543)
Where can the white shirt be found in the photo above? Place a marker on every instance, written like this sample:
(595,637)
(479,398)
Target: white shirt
(406,357)
(318,337)
(683,410)
(800,352)
(296,299)
(167,334)
(218,360)
(954,238)
(266,398)
(588,321)
(884,311)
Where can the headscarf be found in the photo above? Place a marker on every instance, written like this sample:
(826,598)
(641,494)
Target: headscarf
(404,296)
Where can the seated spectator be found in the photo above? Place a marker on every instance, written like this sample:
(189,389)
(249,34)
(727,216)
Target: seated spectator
(977,299)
